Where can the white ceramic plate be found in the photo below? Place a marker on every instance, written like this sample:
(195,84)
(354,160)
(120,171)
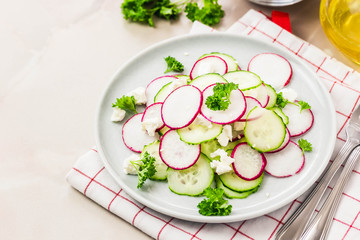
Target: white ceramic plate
(274,192)
(275,3)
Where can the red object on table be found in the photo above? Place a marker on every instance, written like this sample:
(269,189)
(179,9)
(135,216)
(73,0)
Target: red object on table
(282,19)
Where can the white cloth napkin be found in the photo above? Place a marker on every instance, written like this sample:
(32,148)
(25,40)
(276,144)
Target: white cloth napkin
(90,177)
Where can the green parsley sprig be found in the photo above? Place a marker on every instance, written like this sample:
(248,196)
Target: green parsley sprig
(143,11)
(210,14)
(303,105)
(305,145)
(220,100)
(173,65)
(280,100)
(145,168)
(126,103)
(214,204)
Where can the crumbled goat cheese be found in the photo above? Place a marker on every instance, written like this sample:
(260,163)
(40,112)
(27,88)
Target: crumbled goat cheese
(289,94)
(118,114)
(177,83)
(128,168)
(222,166)
(186,53)
(151,124)
(139,95)
(200,120)
(239,126)
(225,136)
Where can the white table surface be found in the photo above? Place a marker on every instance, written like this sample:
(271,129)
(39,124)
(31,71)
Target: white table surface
(56,57)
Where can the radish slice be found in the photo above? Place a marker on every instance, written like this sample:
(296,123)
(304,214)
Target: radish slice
(250,104)
(209,64)
(230,61)
(299,122)
(154,87)
(151,119)
(284,144)
(203,81)
(181,107)
(272,96)
(272,68)
(249,164)
(235,110)
(176,153)
(259,93)
(286,162)
(134,136)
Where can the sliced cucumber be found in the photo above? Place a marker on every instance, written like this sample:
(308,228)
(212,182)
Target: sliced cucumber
(232,145)
(196,133)
(193,180)
(230,61)
(203,81)
(237,184)
(187,77)
(259,93)
(279,112)
(209,147)
(265,133)
(163,130)
(161,168)
(272,96)
(233,194)
(163,93)
(246,80)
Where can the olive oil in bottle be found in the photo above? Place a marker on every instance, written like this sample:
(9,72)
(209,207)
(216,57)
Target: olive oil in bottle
(340,20)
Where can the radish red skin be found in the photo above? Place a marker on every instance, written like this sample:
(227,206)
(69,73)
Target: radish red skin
(243,117)
(122,131)
(289,175)
(124,139)
(195,115)
(239,174)
(307,128)
(169,165)
(201,59)
(227,122)
(291,71)
(283,146)
(156,79)
(267,99)
(142,119)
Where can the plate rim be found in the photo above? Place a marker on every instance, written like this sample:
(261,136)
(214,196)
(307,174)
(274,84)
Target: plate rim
(201,218)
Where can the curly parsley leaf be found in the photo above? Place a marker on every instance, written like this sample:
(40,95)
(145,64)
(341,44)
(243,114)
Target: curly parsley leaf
(126,103)
(138,11)
(173,65)
(167,10)
(145,168)
(214,204)
(305,145)
(210,14)
(143,11)
(281,101)
(303,105)
(220,100)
